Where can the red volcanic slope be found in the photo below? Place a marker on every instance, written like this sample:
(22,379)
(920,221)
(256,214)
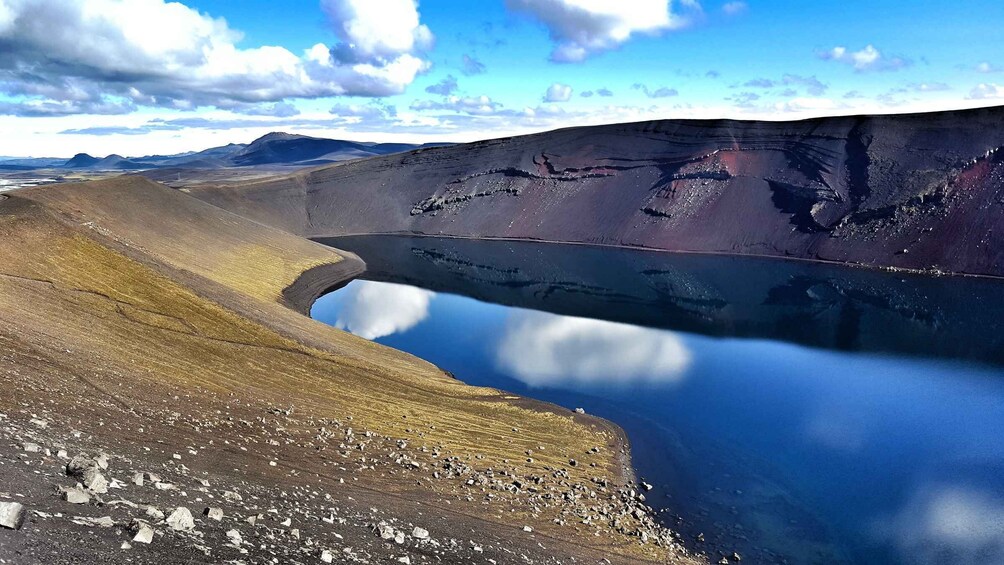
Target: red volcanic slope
(922,191)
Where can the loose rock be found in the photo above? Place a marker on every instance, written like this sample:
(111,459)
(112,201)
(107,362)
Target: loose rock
(181,520)
(11,515)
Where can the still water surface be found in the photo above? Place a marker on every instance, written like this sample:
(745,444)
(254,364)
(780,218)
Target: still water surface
(794,412)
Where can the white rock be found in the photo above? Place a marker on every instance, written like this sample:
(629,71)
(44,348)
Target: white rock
(144,533)
(527,529)
(11,515)
(137,479)
(327,557)
(386,532)
(420,533)
(181,520)
(399,537)
(406,560)
(97,484)
(154,513)
(102,461)
(235,537)
(76,496)
(32,447)
(213,513)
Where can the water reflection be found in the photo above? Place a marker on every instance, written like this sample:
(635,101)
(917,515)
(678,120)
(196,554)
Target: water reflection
(547,349)
(881,443)
(951,524)
(375,310)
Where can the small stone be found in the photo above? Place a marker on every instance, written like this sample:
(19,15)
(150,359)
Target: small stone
(103,522)
(580,411)
(327,557)
(213,513)
(420,533)
(11,515)
(126,545)
(181,520)
(235,537)
(102,461)
(76,496)
(154,514)
(527,529)
(137,479)
(143,532)
(406,560)
(386,532)
(98,484)
(399,538)
(32,447)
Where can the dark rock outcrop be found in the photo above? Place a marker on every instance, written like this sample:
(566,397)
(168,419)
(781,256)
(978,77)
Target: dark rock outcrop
(921,191)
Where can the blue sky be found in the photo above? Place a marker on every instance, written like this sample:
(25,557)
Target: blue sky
(144,76)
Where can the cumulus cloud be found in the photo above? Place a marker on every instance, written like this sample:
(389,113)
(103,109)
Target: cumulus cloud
(445,87)
(661,92)
(471,66)
(558,92)
(986,91)
(108,56)
(580,28)
(277,110)
(373,111)
(867,59)
(374,309)
(543,349)
(477,105)
(605,92)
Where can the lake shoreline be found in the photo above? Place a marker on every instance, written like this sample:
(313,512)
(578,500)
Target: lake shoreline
(136,315)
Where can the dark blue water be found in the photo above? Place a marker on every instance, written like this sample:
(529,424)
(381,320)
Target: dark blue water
(881,441)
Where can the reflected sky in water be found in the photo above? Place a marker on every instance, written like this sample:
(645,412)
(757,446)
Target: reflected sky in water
(774,449)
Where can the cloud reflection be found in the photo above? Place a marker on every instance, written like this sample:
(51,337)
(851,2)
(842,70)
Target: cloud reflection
(376,309)
(546,349)
(951,524)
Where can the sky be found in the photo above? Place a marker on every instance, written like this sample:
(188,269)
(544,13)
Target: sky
(142,77)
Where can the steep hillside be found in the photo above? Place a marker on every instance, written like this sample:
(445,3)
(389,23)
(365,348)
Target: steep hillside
(923,191)
(146,325)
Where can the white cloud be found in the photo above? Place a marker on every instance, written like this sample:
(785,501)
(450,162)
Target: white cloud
(867,59)
(581,28)
(82,55)
(546,349)
(377,30)
(558,92)
(734,8)
(987,67)
(474,105)
(950,524)
(375,309)
(985,91)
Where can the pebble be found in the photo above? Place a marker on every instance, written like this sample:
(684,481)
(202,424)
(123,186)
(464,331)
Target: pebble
(213,513)
(420,533)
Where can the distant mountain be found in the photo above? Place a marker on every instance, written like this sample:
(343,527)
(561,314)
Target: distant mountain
(80,161)
(276,148)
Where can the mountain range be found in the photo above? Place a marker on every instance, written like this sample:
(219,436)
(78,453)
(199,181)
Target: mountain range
(275,148)
(910,191)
